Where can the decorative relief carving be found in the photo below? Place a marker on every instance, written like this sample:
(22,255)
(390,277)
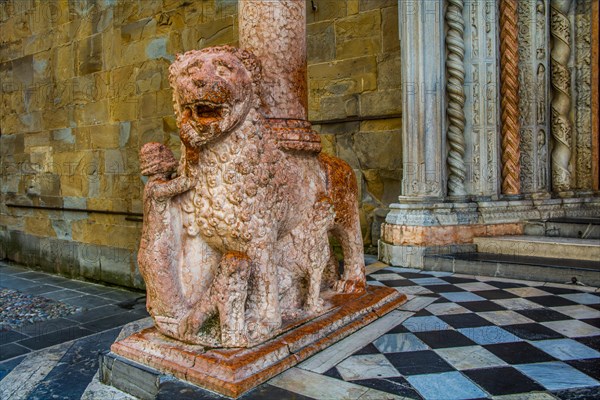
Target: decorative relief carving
(583,140)
(455,80)
(509,89)
(481,98)
(533,94)
(562,126)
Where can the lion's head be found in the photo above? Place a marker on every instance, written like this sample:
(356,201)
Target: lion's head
(213,91)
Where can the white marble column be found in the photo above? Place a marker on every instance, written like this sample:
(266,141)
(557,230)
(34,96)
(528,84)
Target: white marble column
(423,96)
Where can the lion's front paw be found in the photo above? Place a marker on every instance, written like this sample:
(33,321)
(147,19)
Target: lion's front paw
(350,286)
(191,323)
(315,307)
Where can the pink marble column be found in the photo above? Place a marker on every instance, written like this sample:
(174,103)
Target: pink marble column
(275,31)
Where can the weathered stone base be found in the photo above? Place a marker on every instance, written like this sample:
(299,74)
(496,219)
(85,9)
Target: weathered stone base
(412,231)
(232,372)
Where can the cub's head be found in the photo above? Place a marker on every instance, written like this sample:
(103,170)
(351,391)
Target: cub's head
(213,91)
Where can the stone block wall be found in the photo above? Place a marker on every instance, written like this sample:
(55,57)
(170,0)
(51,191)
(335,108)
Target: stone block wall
(355,96)
(84,85)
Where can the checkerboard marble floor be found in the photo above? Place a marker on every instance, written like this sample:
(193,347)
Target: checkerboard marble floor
(458,337)
(482,337)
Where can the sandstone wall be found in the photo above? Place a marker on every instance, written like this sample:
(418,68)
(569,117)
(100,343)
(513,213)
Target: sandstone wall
(84,85)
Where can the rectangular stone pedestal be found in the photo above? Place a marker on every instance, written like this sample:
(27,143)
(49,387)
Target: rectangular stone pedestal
(232,372)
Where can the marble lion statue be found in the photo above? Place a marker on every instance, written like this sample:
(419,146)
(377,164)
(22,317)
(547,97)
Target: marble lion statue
(264,212)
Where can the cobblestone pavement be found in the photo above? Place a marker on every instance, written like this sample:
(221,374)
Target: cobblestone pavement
(458,337)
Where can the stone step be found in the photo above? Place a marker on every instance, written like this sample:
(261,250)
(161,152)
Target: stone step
(583,228)
(540,246)
(517,267)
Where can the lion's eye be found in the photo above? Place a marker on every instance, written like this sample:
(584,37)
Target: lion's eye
(222,68)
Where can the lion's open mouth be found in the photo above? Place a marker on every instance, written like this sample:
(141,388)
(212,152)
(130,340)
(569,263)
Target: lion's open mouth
(206,112)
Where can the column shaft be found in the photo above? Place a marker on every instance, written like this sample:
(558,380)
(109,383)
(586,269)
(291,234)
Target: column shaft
(275,31)
(422,52)
(509,89)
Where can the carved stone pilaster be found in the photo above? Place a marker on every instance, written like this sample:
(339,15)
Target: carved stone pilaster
(455,80)
(509,89)
(421,38)
(481,89)
(534,94)
(562,125)
(583,107)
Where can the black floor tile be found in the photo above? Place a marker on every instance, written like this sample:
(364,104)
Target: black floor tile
(502,381)
(398,283)
(482,306)
(96,313)
(418,362)
(333,373)
(45,327)
(444,339)
(589,367)
(543,315)
(269,392)
(422,313)
(62,295)
(445,289)
(40,289)
(456,279)
(552,301)
(57,337)
(368,349)
(52,280)
(519,353)
(117,295)
(532,331)
(505,285)
(17,283)
(9,336)
(112,321)
(590,341)
(74,285)
(87,301)
(7,366)
(382,271)
(589,393)
(71,376)
(411,275)
(398,329)
(32,275)
(470,320)
(495,294)
(558,290)
(11,350)
(398,386)
(594,322)
(174,389)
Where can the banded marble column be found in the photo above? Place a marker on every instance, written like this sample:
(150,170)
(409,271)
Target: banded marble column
(481,89)
(423,123)
(562,125)
(509,89)
(534,95)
